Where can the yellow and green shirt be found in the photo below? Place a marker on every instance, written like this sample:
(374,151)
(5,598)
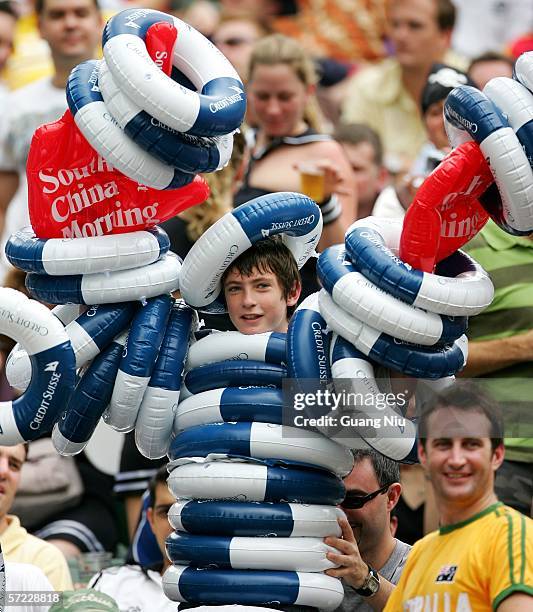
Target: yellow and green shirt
(471,566)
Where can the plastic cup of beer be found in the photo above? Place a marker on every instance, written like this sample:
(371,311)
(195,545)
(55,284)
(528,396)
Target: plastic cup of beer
(311,181)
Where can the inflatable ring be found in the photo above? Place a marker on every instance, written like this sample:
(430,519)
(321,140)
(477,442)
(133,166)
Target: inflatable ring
(294,215)
(264,441)
(417,361)
(257,481)
(53,367)
(108,287)
(186,153)
(232,374)
(308,343)
(144,341)
(103,133)
(254,519)
(516,102)
(357,295)
(230,404)
(219,107)
(18,374)
(349,363)
(73,431)
(460,288)
(218,586)
(269,347)
(153,428)
(57,257)
(244,553)
(469,109)
(89,333)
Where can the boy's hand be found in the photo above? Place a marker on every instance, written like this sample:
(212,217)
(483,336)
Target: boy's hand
(352,567)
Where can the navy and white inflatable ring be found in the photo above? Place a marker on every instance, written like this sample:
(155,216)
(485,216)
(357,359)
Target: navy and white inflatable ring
(254,481)
(232,374)
(254,519)
(89,333)
(516,102)
(293,215)
(57,256)
(108,287)
(218,586)
(264,441)
(103,133)
(182,151)
(53,368)
(459,288)
(471,110)
(365,301)
(411,359)
(269,347)
(230,404)
(245,553)
(219,105)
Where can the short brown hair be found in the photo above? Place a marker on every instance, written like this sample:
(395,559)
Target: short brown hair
(445,15)
(356,133)
(464,396)
(39,6)
(269,255)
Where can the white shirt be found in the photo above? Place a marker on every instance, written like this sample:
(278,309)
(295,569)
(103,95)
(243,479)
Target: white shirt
(25,577)
(133,590)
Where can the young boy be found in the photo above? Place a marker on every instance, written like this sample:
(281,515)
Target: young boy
(262,287)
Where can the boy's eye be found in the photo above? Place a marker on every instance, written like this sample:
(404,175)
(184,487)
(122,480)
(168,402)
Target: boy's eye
(232,289)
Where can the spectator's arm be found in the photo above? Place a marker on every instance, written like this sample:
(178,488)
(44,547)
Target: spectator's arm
(489,356)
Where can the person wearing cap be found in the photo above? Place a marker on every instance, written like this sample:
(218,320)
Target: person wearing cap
(441,80)
(85,600)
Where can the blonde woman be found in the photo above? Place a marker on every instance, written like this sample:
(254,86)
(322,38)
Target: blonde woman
(288,131)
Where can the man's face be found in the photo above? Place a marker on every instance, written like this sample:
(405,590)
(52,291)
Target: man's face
(371,521)
(7,35)
(415,34)
(458,456)
(482,72)
(72,28)
(368,175)
(256,303)
(158,515)
(11,460)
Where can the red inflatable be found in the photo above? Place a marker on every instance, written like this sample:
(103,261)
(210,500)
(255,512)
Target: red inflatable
(75,193)
(160,41)
(446,213)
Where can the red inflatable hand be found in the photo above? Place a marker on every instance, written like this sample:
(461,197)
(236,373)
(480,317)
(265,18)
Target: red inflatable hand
(445,213)
(160,41)
(73,192)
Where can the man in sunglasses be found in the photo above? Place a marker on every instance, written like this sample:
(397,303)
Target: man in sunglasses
(371,559)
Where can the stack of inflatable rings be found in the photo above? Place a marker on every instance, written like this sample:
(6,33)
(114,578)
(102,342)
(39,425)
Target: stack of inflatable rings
(156,129)
(132,377)
(383,311)
(500,121)
(237,479)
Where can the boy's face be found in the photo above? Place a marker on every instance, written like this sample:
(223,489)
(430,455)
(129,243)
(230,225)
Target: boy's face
(256,303)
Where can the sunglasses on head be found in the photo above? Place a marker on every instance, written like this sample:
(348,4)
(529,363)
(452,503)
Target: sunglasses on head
(352,501)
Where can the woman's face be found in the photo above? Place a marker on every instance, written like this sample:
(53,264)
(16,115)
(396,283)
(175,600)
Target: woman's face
(277,99)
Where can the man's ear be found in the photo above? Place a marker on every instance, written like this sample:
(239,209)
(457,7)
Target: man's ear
(395,490)
(422,454)
(294,294)
(498,456)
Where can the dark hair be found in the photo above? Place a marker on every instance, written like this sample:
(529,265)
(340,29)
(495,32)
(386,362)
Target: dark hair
(387,471)
(39,6)
(464,396)
(7,8)
(356,133)
(446,13)
(160,477)
(441,80)
(269,255)
(491,56)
